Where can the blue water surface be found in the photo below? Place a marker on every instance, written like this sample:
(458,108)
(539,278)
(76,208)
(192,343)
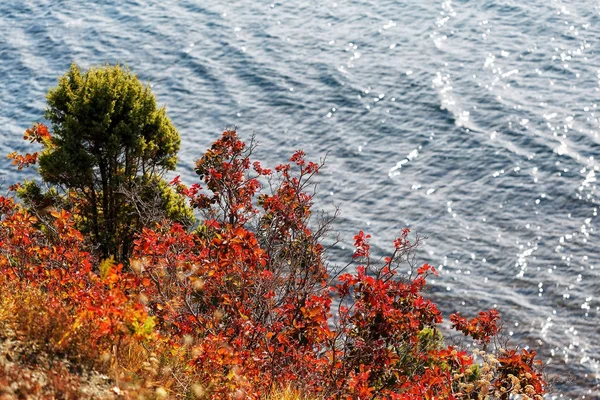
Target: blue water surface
(474,123)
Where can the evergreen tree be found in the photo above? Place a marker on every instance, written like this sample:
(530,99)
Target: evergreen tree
(110,147)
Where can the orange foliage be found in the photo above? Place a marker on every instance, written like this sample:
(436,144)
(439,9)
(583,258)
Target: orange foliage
(244,305)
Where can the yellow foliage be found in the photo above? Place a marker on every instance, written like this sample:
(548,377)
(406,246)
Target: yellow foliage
(105,266)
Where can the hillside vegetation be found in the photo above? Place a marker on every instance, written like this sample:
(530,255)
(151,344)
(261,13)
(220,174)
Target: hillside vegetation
(117,284)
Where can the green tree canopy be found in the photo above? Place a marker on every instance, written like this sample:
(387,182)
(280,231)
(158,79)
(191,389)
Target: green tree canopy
(111,146)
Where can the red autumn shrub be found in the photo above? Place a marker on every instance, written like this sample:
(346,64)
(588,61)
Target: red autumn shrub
(244,305)
(482,328)
(250,285)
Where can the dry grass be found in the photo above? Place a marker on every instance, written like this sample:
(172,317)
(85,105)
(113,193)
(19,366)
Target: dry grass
(33,365)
